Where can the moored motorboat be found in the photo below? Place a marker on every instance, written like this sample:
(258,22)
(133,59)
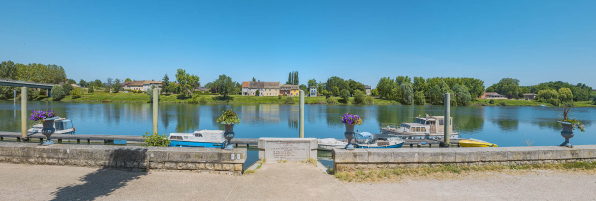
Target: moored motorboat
(200,138)
(429,127)
(373,142)
(329,144)
(62,126)
(475,143)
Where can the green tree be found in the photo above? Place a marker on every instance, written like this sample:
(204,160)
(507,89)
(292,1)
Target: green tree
(293,78)
(419,98)
(385,87)
(165,84)
(549,96)
(359,98)
(253,79)
(83,83)
(76,93)
(420,84)
(407,92)
(461,95)
(312,82)
(303,88)
(345,95)
(257,93)
(108,84)
(186,82)
(71,81)
(129,80)
(58,92)
(434,95)
(565,95)
(336,91)
(401,80)
(508,87)
(91,90)
(117,85)
(374,92)
(225,85)
(67,88)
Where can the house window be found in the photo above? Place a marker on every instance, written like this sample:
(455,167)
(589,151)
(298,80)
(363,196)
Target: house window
(440,122)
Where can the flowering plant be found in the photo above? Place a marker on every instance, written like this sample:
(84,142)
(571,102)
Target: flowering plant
(229,117)
(351,119)
(41,115)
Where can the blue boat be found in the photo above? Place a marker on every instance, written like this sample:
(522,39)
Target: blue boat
(200,138)
(377,143)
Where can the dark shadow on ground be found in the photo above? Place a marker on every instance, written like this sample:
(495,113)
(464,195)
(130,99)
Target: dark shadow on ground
(105,180)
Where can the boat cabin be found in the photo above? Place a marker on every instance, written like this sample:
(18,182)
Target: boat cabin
(429,124)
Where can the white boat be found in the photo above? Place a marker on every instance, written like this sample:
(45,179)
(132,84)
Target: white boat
(376,141)
(62,126)
(429,127)
(329,144)
(200,138)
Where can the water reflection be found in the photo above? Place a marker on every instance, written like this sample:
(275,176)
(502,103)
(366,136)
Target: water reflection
(506,126)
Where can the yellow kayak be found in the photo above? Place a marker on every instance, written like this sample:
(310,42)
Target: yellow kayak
(476,143)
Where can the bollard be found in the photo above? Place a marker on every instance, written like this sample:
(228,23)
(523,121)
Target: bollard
(59,141)
(88,141)
(78,141)
(1,138)
(301,114)
(447,122)
(155,108)
(23,112)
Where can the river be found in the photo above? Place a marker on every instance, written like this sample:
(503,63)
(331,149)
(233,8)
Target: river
(505,126)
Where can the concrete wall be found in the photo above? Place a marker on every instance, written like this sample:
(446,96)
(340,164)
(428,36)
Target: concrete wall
(373,159)
(123,157)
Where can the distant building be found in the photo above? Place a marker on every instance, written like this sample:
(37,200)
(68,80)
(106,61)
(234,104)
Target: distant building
(142,85)
(493,95)
(368,90)
(529,96)
(203,89)
(313,91)
(290,90)
(264,88)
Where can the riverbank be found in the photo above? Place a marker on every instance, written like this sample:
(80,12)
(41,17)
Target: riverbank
(100,96)
(533,103)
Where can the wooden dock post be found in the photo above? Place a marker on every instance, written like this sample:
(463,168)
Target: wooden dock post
(447,124)
(155,108)
(23,112)
(301,114)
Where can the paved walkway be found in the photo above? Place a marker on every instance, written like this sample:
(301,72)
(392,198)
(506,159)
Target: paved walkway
(289,181)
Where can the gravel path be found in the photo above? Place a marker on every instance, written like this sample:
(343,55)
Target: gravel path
(278,181)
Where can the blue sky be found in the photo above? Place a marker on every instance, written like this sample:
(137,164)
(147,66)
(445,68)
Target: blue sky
(534,41)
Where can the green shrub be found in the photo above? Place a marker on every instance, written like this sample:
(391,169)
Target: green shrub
(331,101)
(90,90)
(289,100)
(67,88)
(32,94)
(156,140)
(345,95)
(150,93)
(203,100)
(369,100)
(76,93)
(42,92)
(58,92)
(503,103)
(359,97)
(554,101)
(491,101)
(278,96)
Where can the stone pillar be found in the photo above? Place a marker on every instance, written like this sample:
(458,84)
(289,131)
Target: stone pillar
(155,108)
(301,114)
(447,123)
(23,112)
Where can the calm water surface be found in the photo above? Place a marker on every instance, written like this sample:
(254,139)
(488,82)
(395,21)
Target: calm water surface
(505,126)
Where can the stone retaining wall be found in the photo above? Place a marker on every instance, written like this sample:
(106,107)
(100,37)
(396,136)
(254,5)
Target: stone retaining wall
(374,159)
(126,157)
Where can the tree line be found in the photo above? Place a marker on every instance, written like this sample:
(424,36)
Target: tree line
(32,72)
(429,91)
(555,93)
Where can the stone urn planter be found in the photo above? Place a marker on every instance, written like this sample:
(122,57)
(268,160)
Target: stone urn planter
(229,134)
(350,134)
(48,129)
(567,132)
